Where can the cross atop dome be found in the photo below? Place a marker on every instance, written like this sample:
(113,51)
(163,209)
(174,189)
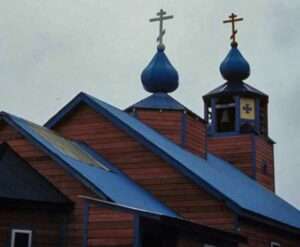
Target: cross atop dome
(235,67)
(235,107)
(161,18)
(160,76)
(233,19)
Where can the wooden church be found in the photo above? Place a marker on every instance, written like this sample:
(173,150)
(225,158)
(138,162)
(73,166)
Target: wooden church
(154,174)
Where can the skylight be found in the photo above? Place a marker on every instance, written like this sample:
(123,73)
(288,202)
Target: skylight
(67,147)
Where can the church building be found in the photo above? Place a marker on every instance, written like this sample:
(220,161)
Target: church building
(154,174)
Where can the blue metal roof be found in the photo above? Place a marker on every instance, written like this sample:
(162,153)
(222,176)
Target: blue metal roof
(235,88)
(158,101)
(180,224)
(243,195)
(109,183)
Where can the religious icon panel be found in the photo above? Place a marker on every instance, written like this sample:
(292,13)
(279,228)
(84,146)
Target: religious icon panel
(247,107)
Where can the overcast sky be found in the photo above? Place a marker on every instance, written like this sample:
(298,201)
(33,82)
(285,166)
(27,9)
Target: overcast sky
(50,50)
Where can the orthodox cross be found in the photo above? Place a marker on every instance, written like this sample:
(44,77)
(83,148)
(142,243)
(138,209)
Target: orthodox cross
(247,108)
(161,17)
(233,19)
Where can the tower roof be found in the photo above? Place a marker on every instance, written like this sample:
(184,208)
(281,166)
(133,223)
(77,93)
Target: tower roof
(232,89)
(235,69)
(159,101)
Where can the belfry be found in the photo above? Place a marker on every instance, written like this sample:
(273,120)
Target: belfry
(236,107)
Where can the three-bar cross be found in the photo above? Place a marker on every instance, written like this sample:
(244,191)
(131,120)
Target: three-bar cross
(161,17)
(233,19)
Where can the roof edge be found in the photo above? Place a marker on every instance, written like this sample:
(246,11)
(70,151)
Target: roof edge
(82,97)
(64,110)
(7,118)
(166,219)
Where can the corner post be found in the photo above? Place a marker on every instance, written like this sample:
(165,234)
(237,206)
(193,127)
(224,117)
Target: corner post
(237,101)
(86,210)
(257,113)
(214,116)
(137,231)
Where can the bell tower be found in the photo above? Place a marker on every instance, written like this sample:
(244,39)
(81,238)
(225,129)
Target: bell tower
(236,107)
(237,117)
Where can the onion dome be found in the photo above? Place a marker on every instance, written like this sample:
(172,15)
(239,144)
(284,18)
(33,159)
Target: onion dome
(160,76)
(235,68)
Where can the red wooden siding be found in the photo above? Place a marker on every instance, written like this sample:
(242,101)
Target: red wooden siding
(235,149)
(195,140)
(248,153)
(262,236)
(46,226)
(60,178)
(264,154)
(182,128)
(7,133)
(168,123)
(146,168)
(108,227)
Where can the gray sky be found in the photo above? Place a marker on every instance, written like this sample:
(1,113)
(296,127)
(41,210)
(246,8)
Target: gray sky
(53,49)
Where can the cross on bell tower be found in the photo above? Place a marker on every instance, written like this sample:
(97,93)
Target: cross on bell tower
(161,18)
(237,118)
(247,108)
(235,107)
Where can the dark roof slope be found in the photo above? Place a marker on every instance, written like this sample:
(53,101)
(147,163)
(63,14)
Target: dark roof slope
(19,181)
(158,101)
(91,169)
(235,88)
(244,195)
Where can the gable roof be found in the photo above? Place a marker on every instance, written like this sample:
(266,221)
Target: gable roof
(91,169)
(19,181)
(243,195)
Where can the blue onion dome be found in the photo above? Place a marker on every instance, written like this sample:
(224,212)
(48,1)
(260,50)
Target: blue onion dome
(160,76)
(235,68)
